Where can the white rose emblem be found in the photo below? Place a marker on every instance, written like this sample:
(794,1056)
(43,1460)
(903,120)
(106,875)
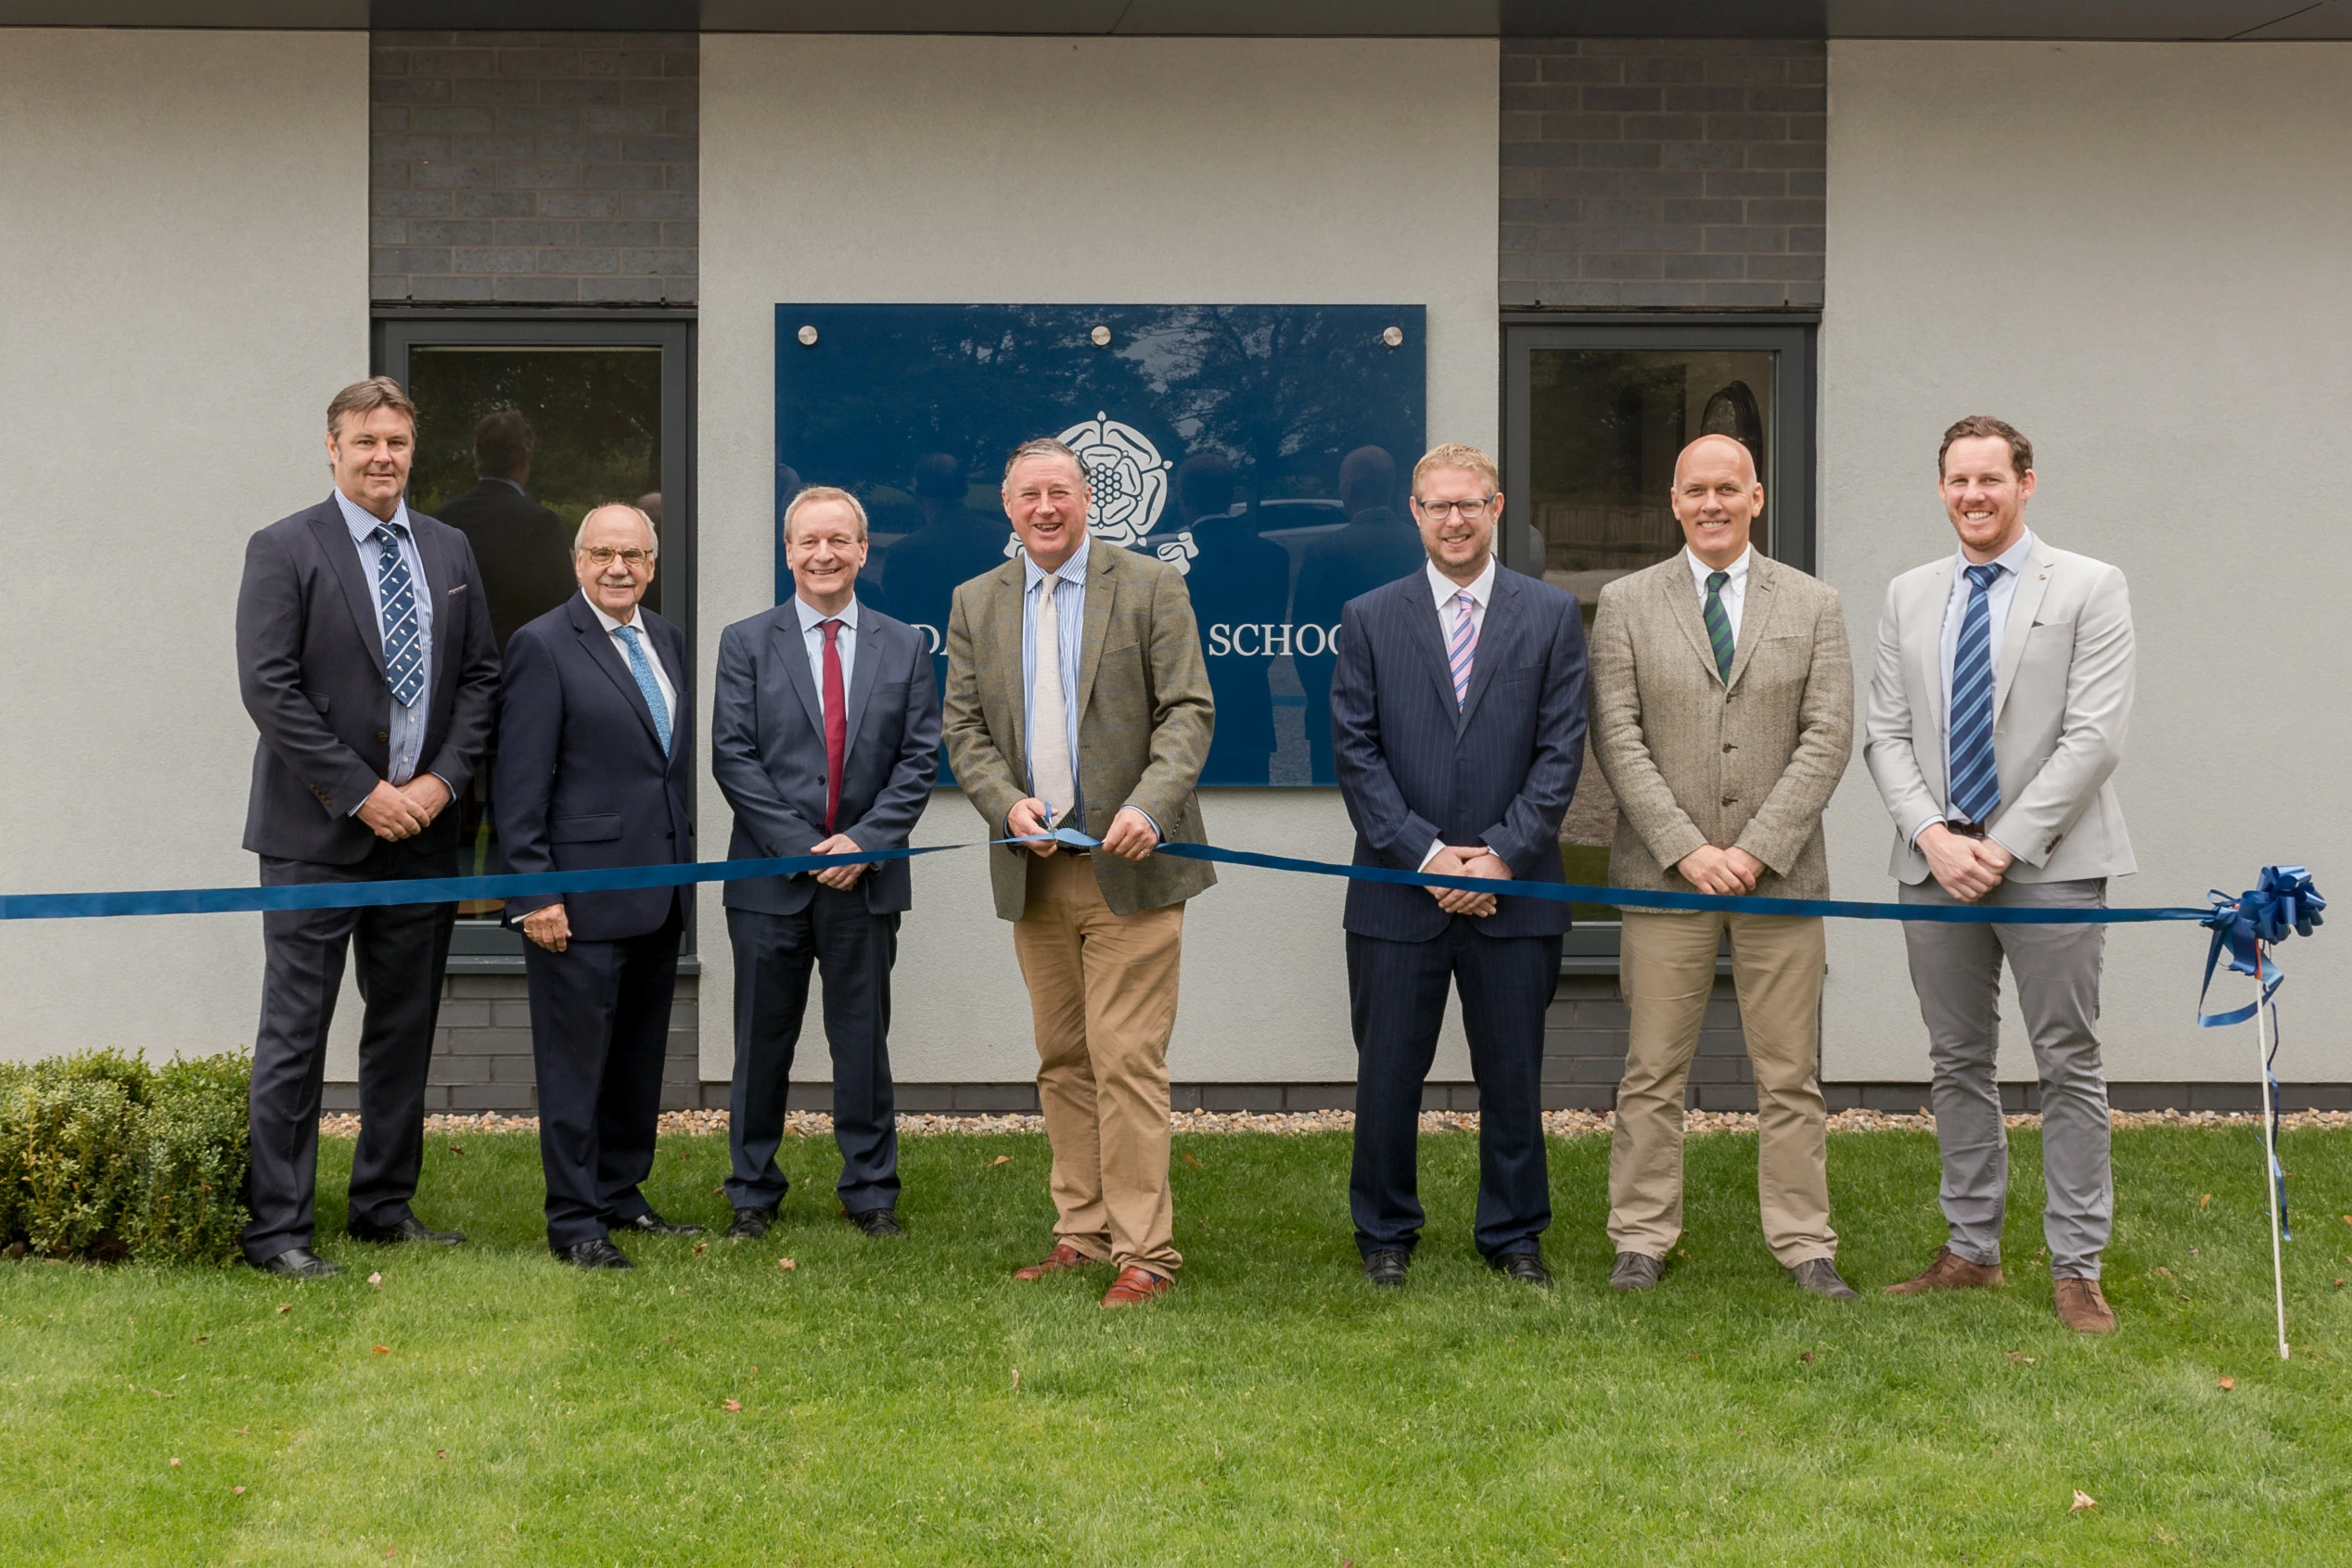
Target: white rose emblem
(1127,474)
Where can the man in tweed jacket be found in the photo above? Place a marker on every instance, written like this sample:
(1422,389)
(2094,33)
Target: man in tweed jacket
(1722,716)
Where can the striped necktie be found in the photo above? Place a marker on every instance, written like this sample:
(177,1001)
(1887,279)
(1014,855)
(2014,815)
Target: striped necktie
(1719,625)
(1975,777)
(1464,646)
(403,632)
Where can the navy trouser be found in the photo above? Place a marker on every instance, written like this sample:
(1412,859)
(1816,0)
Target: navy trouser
(599,1029)
(1397,993)
(773,956)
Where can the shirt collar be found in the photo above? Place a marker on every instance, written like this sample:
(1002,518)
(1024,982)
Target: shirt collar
(1480,588)
(510,484)
(2012,560)
(811,618)
(1071,570)
(1701,571)
(363,522)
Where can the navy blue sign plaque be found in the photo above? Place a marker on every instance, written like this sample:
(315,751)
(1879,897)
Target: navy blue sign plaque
(1262,450)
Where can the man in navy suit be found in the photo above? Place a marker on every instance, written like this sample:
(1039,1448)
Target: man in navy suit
(825,738)
(1457,722)
(364,656)
(595,756)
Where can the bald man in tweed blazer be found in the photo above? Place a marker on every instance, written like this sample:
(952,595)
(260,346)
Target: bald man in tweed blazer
(1723,717)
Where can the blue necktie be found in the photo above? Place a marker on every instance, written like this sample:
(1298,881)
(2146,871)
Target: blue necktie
(1976,779)
(404,633)
(643,669)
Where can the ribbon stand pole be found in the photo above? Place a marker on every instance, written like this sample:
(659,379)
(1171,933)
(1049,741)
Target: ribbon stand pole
(2270,1155)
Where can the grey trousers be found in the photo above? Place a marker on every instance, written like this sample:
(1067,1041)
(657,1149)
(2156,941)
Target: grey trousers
(1956,970)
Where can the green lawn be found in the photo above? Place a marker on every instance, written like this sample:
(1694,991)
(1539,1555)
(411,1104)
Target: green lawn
(1272,1410)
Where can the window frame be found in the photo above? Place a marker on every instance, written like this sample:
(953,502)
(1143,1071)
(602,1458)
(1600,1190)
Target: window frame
(396,331)
(1793,505)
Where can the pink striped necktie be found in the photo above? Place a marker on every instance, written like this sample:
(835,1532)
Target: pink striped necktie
(1466,645)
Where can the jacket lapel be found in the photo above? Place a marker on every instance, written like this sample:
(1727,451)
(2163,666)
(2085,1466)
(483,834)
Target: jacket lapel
(1101,595)
(1001,676)
(599,645)
(435,587)
(2033,584)
(1756,615)
(1501,621)
(334,541)
(1682,604)
(864,672)
(1429,628)
(1927,647)
(792,652)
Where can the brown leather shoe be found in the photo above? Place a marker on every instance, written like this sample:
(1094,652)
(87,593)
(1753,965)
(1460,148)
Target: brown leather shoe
(1062,1256)
(1950,1272)
(1135,1287)
(2083,1308)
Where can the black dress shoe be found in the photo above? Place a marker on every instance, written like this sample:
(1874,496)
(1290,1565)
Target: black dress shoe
(1818,1276)
(878,1222)
(300,1263)
(598,1253)
(409,1230)
(653,1224)
(750,1224)
(1386,1268)
(1636,1271)
(1524,1267)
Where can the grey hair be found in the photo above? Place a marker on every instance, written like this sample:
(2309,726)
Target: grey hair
(1044,446)
(823,492)
(653,538)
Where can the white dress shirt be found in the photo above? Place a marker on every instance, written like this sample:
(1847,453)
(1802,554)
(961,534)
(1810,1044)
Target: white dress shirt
(653,655)
(1481,592)
(1735,594)
(812,621)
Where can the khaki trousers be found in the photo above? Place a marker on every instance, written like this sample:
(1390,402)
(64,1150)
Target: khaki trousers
(1103,992)
(1666,966)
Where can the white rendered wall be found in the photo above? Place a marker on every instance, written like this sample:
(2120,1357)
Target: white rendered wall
(849,170)
(2137,253)
(183,232)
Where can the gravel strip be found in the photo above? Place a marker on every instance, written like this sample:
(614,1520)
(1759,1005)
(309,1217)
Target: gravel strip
(1559,1124)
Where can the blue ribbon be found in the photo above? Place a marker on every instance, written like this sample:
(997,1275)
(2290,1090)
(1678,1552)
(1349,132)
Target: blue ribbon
(2282,901)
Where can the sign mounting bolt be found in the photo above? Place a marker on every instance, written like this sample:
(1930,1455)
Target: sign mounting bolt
(1393,336)
(1100,336)
(808,336)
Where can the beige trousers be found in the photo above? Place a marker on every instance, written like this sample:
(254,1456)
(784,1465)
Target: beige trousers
(1103,992)
(1666,966)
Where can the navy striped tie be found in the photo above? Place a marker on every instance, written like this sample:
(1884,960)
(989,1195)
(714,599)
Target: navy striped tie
(403,630)
(1976,778)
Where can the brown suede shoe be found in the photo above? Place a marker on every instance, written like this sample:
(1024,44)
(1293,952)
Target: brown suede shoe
(1950,1272)
(1063,1255)
(2083,1308)
(1135,1287)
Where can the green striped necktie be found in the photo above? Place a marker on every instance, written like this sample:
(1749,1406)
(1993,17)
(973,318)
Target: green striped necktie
(1719,625)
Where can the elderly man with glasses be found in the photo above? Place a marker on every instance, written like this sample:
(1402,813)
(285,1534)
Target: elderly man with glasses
(596,742)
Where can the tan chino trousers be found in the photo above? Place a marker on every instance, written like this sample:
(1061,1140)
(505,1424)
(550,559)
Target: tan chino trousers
(1103,992)
(1666,966)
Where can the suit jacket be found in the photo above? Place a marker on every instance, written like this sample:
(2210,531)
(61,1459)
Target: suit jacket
(1498,769)
(1145,718)
(2062,699)
(523,549)
(310,657)
(583,781)
(767,751)
(1694,760)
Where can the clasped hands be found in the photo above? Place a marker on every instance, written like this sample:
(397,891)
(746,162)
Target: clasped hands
(396,812)
(1132,836)
(1473,859)
(1966,868)
(1725,871)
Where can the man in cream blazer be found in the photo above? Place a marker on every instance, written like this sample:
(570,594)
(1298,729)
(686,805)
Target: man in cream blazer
(1723,716)
(1997,714)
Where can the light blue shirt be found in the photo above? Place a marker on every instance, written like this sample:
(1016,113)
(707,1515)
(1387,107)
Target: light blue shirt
(1997,598)
(813,632)
(408,725)
(1069,604)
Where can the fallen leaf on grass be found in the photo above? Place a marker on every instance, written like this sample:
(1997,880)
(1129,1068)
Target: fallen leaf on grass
(700,1248)
(2339,1285)
(2225,1384)
(376,1280)
(201,1338)
(285,1309)
(2163,1271)
(2207,1199)
(720,1189)
(441,1453)
(2020,1358)
(1017,1380)
(1001,1160)
(786,1265)
(236,1491)
(1805,1356)
(2082,1501)
(382,1350)
(731,1405)
(456,1148)
(175,1464)
(1189,1160)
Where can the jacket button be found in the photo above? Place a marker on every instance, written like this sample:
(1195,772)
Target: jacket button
(383,734)
(1729,746)
(1730,800)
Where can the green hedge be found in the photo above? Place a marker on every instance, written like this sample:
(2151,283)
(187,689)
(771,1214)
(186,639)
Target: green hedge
(103,1157)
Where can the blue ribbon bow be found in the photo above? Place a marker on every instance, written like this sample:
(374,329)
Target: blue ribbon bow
(2247,926)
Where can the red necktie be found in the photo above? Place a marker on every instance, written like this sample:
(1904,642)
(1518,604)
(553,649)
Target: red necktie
(837,722)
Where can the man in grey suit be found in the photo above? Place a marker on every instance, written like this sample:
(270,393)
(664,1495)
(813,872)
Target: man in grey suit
(364,656)
(825,738)
(1997,714)
(1723,717)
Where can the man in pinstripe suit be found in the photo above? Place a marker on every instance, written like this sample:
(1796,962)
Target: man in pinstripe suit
(1457,724)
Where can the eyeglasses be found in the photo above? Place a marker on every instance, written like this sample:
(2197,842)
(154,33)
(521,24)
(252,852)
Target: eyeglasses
(1472,510)
(599,555)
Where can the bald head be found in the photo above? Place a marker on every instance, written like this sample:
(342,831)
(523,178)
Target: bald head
(1717,499)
